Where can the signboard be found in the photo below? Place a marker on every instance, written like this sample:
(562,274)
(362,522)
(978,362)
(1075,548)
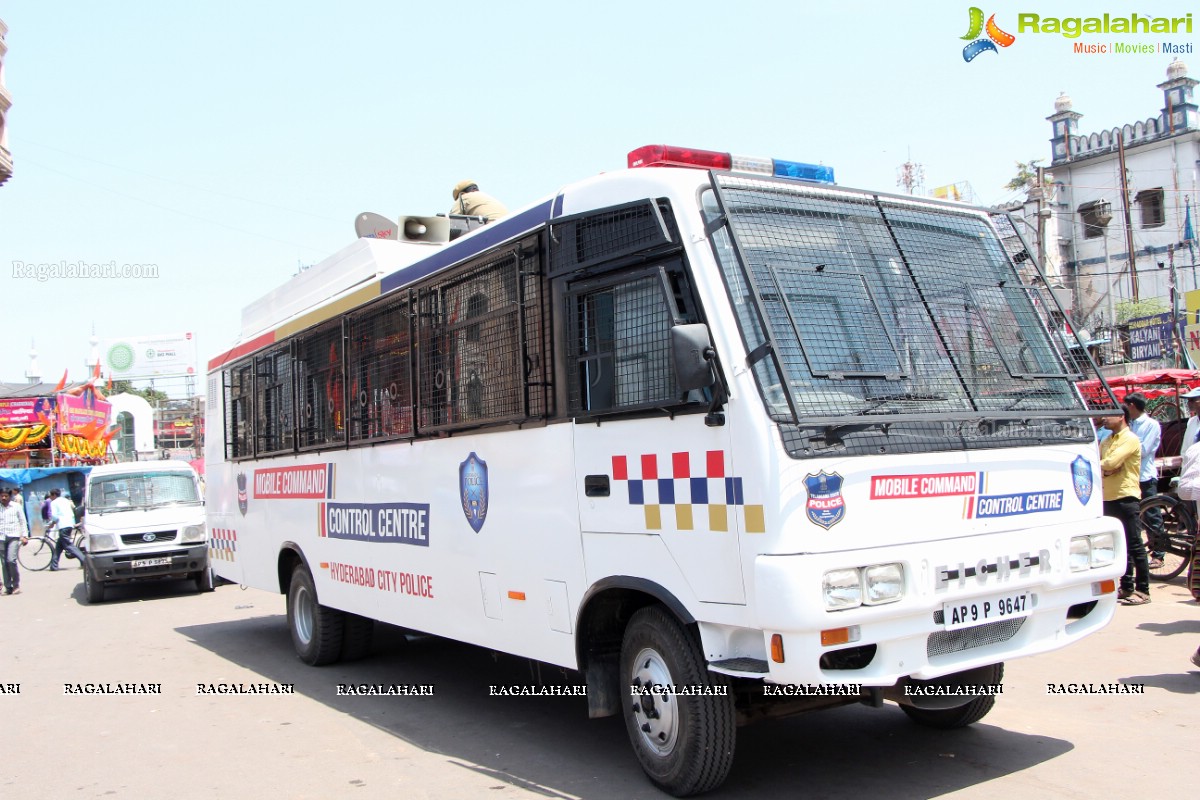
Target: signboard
(25,411)
(150,356)
(82,416)
(1191,330)
(1150,338)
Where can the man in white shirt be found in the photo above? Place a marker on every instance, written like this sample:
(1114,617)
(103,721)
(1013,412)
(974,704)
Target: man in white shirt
(1193,423)
(62,514)
(13,533)
(1149,432)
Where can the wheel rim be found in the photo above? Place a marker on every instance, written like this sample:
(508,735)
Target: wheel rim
(303,615)
(656,713)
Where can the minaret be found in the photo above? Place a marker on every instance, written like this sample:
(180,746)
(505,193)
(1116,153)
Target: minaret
(6,163)
(1065,124)
(33,373)
(1179,112)
(94,355)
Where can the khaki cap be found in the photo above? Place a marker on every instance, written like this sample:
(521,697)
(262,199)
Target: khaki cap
(460,187)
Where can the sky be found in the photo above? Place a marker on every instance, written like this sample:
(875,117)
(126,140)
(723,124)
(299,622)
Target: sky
(226,144)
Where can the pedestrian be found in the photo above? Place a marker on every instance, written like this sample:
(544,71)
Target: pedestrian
(1120,466)
(1149,432)
(14,533)
(18,500)
(63,512)
(471,202)
(47,518)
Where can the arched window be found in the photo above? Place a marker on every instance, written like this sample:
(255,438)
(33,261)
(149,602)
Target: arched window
(125,443)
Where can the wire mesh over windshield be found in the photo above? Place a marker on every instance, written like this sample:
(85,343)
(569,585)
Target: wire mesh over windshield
(877,306)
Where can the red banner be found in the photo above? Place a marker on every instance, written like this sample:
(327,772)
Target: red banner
(25,411)
(84,416)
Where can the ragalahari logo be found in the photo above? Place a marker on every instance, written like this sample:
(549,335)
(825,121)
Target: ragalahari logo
(995,36)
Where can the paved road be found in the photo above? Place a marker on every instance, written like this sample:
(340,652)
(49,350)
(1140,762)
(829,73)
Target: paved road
(460,743)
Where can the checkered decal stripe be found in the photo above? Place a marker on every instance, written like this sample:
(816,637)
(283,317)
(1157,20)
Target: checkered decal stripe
(689,485)
(222,544)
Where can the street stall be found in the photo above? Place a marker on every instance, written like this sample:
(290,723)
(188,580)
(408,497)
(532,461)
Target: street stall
(67,428)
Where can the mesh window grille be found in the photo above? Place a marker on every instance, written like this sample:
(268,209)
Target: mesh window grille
(275,420)
(619,347)
(603,236)
(380,384)
(471,369)
(321,387)
(239,391)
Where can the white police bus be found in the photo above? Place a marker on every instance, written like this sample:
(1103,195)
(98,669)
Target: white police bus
(711,425)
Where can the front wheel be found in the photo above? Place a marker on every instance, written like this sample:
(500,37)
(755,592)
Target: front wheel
(93,588)
(960,717)
(316,629)
(1171,530)
(683,741)
(35,554)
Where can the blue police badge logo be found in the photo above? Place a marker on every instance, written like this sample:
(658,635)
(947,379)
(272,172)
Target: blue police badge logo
(1081,478)
(243,499)
(826,506)
(473,487)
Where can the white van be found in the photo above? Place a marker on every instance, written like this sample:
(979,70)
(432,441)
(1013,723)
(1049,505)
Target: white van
(145,521)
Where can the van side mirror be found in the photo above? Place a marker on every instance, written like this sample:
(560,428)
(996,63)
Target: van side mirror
(692,348)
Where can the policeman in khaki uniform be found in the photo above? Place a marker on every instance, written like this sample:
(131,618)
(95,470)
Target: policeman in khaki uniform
(469,201)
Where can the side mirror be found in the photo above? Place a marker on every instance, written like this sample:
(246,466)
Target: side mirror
(693,351)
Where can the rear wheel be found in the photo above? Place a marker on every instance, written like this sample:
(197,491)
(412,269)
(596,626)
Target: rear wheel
(1170,530)
(357,633)
(684,742)
(93,588)
(35,554)
(316,629)
(950,718)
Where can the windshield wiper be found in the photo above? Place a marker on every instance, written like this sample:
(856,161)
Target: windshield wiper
(884,399)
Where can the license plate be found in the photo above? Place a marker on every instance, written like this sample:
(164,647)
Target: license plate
(966,613)
(151,562)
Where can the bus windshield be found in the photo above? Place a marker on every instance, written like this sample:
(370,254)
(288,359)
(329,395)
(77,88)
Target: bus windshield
(884,306)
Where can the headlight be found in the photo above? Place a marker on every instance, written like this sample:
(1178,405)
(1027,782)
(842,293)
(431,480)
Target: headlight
(1104,549)
(884,584)
(192,534)
(99,542)
(1080,557)
(842,589)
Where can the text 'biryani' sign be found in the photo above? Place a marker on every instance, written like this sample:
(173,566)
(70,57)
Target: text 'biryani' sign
(1150,337)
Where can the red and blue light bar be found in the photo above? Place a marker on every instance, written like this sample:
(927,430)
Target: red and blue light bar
(661,155)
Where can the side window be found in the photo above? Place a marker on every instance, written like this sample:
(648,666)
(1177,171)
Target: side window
(239,392)
(618,339)
(275,420)
(321,387)
(380,383)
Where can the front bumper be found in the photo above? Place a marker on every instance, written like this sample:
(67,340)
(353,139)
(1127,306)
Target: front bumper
(909,638)
(118,565)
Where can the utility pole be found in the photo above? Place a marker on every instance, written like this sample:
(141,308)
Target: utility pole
(1133,278)
(1041,219)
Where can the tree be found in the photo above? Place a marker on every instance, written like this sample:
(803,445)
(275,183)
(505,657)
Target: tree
(153,396)
(1026,177)
(1127,309)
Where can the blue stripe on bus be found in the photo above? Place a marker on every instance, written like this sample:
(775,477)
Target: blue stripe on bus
(485,237)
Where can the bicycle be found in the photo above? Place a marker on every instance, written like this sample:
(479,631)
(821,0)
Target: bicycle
(1177,537)
(37,553)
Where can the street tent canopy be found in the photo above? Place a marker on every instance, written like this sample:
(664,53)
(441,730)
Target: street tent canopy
(1156,384)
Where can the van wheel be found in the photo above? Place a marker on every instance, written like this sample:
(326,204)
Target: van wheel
(205,582)
(684,743)
(950,718)
(316,629)
(93,588)
(357,633)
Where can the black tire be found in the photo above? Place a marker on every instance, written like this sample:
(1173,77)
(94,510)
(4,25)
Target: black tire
(946,719)
(684,743)
(93,589)
(357,635)
(205,582)
(35,555)
(1178,534)
(316,630)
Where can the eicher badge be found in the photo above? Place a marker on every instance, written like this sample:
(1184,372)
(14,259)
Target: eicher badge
(1081,478)
(243,500)
(473,487)
(826,506)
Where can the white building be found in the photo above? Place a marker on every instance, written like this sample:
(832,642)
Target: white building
(1117,240)
(6,163)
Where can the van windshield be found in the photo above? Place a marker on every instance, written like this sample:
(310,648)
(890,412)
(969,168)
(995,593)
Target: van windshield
(143,490)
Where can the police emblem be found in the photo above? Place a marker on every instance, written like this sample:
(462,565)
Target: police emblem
(473,487)
(243,500)
(825,506)
(1081,478)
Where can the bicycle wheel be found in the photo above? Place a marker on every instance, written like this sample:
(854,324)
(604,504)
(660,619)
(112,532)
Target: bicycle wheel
(35,554)
(1176,537)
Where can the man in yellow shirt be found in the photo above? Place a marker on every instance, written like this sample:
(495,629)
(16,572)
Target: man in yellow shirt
(1120,466)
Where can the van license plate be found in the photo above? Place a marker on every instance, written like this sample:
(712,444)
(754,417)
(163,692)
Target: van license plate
(151,562)
(966,613)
